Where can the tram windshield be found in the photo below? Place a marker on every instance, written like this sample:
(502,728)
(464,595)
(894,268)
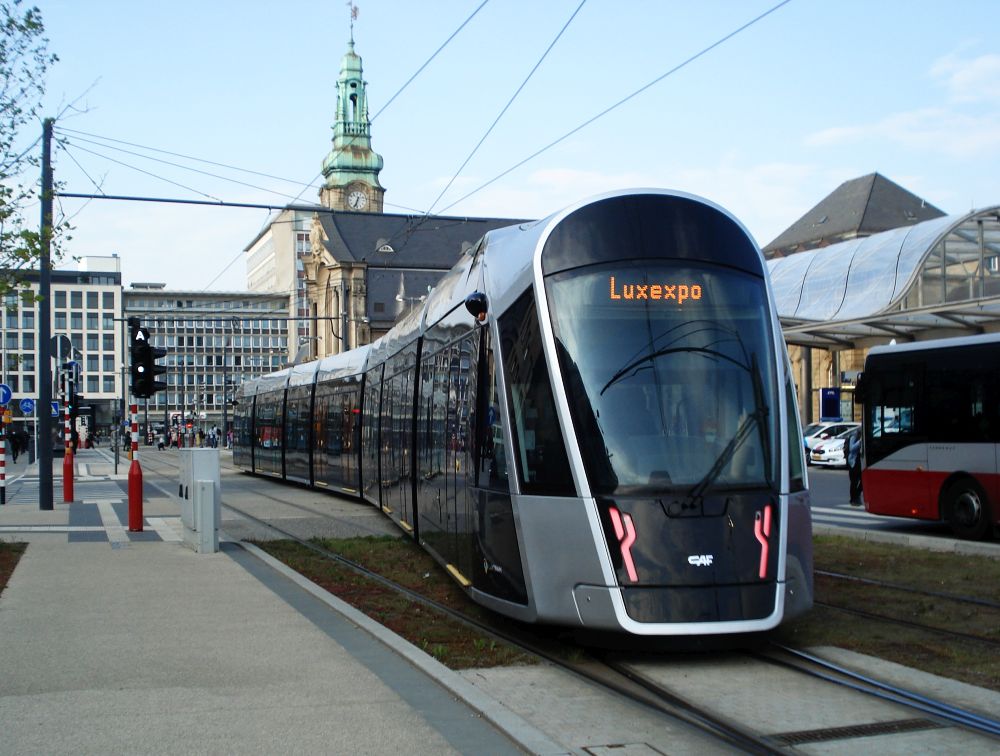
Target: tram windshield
(670,375)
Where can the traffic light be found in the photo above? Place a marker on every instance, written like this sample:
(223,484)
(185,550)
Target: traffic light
(143,362)
(71,380)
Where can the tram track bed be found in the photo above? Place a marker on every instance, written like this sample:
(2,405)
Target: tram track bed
(969,660)
(930,591)
(804,711)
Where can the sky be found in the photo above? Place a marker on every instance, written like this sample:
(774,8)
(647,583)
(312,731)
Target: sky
(766,123)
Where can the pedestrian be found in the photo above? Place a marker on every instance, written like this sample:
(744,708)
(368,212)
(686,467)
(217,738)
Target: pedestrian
(854,466)
(14,442)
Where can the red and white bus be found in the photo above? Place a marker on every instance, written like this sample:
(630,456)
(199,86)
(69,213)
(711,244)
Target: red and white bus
(932,432)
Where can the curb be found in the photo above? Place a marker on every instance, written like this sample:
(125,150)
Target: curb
(521,732)
(946,545)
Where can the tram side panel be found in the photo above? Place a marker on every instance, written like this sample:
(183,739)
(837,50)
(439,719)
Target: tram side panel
(337,435)
(268,426)
(396,442)
(298,411)
(243,433)
(370,433)
(445,414)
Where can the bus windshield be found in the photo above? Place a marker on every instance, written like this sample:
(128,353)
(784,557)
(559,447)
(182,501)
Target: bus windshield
(669,371)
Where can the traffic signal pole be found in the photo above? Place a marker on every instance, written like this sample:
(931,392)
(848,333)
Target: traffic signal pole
(68,454)
(135,477)
(144,370)
(44,429)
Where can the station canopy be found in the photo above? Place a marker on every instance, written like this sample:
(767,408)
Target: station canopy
(934,279)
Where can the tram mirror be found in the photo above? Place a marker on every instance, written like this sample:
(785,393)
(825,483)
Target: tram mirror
(477,305)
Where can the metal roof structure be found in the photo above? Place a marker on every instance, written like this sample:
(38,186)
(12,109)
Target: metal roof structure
(934,279)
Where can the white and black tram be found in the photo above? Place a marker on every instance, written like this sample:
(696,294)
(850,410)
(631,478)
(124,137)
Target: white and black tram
(590,422)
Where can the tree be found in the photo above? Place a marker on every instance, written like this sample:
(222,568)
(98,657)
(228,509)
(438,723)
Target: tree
(24,61)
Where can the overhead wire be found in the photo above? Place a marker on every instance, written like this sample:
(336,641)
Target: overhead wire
(75,133)
(148,173)
(75,142)
(506,107)
(622,101)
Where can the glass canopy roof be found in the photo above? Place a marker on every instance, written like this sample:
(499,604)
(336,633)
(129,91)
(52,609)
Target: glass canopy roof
(941,274)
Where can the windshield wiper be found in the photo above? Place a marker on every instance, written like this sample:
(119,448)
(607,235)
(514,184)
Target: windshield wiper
(757,417)
(634,365)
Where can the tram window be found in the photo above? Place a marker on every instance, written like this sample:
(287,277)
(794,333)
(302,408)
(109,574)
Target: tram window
(795,477)
(543,467)
(491,457)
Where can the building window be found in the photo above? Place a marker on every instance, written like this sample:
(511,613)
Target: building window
(59,322)
(28,341)
(91,300)
(109,300)
(76,300)
(29,384)
(109,363)
(92,321)
(76,321)
(92,384)
(92,342)
(92,363)
(108,323)
(109,384)
(60,299)
(108,342)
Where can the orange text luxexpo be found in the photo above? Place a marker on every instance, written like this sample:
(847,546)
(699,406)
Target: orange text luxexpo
(677,292)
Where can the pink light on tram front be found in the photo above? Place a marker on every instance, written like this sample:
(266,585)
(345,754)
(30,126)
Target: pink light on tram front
(762,531)
(625,533)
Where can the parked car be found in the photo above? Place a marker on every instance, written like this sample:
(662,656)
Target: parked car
(815,433)
(832,452)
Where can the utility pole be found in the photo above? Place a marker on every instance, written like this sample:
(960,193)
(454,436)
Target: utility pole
(45,327)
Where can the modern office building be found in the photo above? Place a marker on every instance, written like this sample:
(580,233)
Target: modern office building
(86,310)
(214,341)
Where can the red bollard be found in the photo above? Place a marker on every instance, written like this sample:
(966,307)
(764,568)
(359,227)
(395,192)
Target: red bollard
(135,497)
(68,475)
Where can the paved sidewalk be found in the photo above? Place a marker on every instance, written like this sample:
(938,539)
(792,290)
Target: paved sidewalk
(124,642)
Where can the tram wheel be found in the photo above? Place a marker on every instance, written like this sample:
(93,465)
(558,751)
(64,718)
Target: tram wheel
(967,510)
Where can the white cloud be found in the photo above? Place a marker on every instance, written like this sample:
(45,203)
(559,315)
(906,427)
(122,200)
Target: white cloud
(964,124)
(969,79)
(935,130)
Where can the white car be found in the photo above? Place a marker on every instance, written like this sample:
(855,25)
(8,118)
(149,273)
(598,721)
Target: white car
(815,433)
(832,452)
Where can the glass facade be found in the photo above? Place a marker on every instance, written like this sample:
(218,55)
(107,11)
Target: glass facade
(947,260)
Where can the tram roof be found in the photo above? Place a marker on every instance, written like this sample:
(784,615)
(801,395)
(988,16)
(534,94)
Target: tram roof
(934,279)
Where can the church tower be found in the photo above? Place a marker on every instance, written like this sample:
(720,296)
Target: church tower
(352,167)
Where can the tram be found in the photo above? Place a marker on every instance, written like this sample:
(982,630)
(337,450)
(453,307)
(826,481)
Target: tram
(590,422)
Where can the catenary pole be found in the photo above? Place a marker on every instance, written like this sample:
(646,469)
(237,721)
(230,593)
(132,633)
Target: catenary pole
(45,326)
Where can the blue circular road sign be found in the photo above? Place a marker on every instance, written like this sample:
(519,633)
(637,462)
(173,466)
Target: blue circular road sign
(5,393)
(27,406)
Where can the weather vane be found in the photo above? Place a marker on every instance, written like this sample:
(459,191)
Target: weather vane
(354,16)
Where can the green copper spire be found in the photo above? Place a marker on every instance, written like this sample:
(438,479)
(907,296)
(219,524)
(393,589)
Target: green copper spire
(352,159)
